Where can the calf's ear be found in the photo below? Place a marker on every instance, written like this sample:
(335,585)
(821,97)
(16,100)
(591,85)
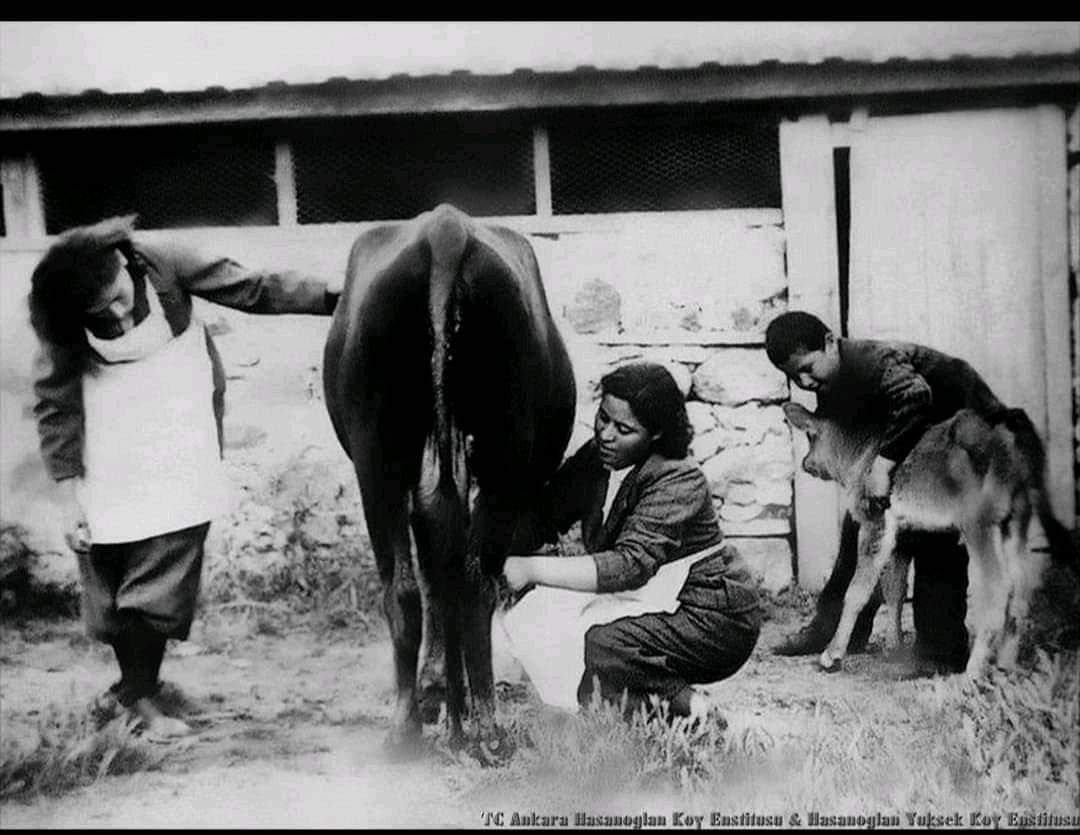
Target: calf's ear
(799,416)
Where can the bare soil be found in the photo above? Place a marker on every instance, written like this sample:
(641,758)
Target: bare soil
(290,724)
(291,711)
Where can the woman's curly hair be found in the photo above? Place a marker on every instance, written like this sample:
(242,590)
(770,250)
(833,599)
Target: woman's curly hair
(71,275)
(656,401)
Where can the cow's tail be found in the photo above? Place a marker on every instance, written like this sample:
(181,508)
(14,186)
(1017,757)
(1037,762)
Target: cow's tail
(447,237)
(1033,456)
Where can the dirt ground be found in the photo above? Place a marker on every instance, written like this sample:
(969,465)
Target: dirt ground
(291,712)
(290,726)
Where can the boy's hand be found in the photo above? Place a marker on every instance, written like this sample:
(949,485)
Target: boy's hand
(878,485)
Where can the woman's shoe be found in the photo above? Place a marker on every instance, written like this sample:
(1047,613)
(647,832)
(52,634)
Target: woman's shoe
(704,709)
(157,727)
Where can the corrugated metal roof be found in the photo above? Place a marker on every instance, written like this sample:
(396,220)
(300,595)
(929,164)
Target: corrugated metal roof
(68,58)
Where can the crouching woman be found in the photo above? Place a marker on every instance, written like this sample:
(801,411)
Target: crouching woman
(659,603)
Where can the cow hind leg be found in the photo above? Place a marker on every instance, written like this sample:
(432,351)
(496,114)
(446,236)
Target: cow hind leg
(432,682)
(492,745)
(877,539)
(455,677)
(403,614)
(440,545)
(403,610)
(385,502)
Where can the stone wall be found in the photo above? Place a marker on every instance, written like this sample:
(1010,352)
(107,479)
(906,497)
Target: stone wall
(695,295)
(693,291)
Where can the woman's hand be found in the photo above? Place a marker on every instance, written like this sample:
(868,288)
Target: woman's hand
(517,572)
(73,520)
(575,573)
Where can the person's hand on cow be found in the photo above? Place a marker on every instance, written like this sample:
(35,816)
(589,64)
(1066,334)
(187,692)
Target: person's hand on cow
(875,497)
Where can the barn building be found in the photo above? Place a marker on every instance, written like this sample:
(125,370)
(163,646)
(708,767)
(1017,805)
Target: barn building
(918,193)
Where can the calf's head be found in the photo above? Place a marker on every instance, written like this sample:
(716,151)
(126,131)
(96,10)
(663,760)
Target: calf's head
(837,452)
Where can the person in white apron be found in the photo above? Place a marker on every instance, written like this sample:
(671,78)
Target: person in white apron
(659,603)
(130,399)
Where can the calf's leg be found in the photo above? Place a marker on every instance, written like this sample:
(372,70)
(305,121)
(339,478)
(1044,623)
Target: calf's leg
(989,593)
(877,538)
(894,587)
(1024,569)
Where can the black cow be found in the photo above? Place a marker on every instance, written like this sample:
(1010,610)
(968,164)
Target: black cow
(443,372)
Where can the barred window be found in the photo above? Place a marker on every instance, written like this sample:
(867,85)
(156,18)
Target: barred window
(395,167)
(663,163)
(392,169)
(171,177)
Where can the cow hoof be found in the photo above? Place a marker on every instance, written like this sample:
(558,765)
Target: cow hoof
(403,744)
(456,741)
(494,750)
(833,666)
(897,655)
(432,698)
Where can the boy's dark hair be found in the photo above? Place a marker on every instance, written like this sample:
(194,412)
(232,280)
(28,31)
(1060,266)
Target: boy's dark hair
(793,332)
(656,401)
(72,274)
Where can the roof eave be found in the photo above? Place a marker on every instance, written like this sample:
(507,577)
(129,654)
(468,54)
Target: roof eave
(526,90)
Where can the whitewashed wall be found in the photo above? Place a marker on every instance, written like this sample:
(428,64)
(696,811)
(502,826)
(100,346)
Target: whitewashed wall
(691,290)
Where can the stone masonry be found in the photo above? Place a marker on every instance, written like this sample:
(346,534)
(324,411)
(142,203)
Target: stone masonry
(697,300)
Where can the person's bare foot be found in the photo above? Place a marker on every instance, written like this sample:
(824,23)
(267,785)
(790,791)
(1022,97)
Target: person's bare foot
(157,726)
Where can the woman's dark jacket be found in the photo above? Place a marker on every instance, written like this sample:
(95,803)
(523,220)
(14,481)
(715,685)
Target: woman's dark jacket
(662,511)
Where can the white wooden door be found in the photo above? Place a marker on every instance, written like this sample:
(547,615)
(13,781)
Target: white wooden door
(959,241)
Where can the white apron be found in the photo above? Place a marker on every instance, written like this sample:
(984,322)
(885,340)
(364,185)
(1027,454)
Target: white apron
(151,451)
(545,631)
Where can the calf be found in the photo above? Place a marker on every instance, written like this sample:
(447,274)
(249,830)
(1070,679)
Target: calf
(445,375)
(982,478)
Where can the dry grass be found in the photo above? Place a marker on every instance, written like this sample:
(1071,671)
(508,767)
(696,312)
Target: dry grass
(74,748)
(297,554)
(1009,743)
(20,595)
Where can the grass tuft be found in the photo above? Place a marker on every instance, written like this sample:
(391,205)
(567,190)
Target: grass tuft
(74,748)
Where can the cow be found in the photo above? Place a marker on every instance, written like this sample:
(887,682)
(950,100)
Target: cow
(982,477)
(451,390)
